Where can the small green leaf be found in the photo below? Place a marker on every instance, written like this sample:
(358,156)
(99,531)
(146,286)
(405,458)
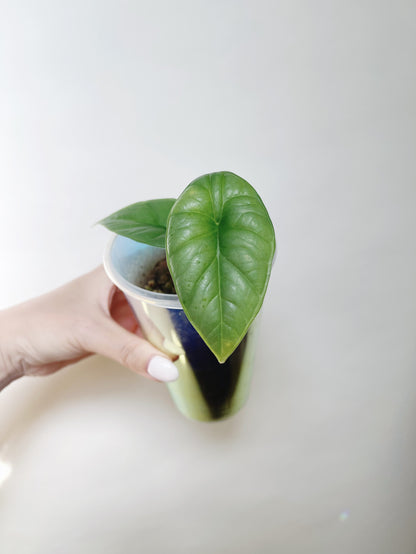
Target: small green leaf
(142,221)
(220,244)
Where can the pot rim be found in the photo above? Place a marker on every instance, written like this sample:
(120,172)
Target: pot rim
(160,299)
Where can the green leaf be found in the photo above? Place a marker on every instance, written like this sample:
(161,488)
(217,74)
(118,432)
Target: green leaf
(142,221)
(220,244)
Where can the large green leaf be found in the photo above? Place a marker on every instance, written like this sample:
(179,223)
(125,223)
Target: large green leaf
(220,244)
(142,221)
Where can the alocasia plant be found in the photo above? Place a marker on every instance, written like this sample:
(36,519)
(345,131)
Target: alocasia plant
(219,243)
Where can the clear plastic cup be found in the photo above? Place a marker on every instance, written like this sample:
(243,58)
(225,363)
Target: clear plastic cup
(205,390)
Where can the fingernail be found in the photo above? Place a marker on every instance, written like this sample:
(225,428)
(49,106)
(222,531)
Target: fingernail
(162,369)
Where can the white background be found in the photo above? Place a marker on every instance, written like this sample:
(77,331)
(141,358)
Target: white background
(106,103)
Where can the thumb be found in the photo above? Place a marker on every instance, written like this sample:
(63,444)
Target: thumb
(111,340)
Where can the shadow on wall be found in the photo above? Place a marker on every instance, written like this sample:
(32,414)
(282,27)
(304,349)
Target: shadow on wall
(94,384)
(94,380)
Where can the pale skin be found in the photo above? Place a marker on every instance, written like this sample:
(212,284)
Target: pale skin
(85,316)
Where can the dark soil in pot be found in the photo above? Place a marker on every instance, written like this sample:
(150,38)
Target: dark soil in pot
(159,279)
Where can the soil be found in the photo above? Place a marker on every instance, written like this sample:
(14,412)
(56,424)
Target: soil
(159,279)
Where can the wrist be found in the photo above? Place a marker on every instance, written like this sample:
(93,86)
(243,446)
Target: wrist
(8,377)
(8,374)
(10,370)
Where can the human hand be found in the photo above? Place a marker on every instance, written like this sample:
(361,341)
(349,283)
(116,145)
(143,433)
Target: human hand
(85,316)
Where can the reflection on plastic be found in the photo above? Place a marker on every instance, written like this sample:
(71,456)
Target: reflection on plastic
(205,390)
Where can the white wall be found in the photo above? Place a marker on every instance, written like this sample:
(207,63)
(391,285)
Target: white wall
(106,103)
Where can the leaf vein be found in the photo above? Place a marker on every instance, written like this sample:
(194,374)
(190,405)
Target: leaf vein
(252,287)
(200,277)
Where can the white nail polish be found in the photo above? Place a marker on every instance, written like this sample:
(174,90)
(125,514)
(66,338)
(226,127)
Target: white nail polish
(162,369)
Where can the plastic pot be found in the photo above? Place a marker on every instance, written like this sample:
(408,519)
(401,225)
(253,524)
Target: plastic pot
(205,390)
